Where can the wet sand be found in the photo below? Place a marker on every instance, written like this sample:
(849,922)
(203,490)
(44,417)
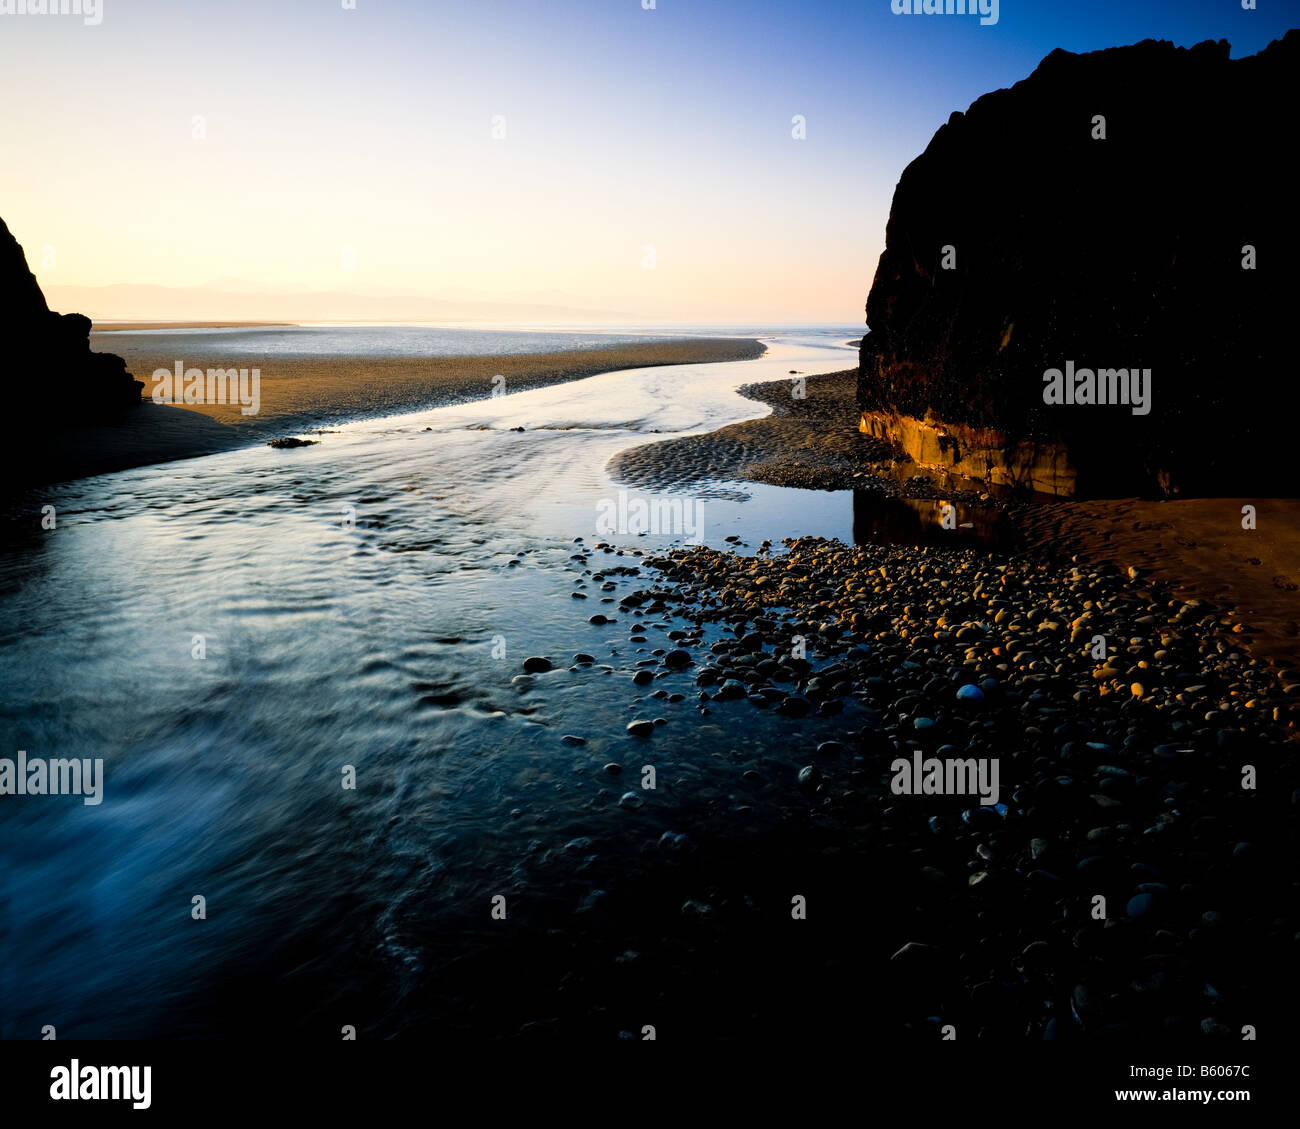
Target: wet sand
(144,435)
(299,394)
(810,442)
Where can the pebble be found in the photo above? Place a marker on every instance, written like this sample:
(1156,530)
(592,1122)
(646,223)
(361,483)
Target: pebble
(795,706)
(675,842)
(1140,905)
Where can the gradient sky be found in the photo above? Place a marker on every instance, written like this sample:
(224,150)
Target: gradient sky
(371,129)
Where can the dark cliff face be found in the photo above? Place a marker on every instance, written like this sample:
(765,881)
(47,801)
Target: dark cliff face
(54,378)
(1117,253)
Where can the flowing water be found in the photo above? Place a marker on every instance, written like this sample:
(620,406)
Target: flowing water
(230,633)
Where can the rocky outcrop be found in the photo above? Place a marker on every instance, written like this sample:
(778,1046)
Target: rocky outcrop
(54,378)
(1022,241)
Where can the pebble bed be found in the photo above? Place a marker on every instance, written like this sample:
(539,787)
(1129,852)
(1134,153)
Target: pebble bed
(1135,876)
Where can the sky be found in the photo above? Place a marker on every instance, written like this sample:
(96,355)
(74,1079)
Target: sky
(595,153)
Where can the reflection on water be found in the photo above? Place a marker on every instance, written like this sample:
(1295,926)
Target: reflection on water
(878,519)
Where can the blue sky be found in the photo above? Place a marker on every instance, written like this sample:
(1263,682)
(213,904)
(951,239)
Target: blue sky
(327,130)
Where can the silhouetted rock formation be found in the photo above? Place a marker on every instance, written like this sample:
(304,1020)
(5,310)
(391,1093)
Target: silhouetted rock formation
(1119,253)
(53,373)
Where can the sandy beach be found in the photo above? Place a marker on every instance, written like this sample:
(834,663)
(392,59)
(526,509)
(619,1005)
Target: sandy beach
(306,393)
(314,391)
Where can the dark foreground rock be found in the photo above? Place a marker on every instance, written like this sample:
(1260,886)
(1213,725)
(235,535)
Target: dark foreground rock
(1020,241)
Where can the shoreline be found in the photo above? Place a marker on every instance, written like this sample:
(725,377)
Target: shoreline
(301,394)
(134,326)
